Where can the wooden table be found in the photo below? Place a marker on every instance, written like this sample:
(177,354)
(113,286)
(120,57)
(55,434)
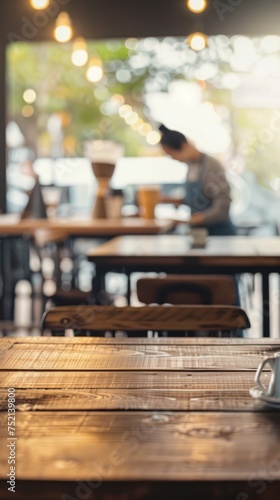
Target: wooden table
(138,419)
(173,254)
(15,239)
(12,225)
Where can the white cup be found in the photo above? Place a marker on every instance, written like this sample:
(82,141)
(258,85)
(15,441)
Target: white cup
(273,389)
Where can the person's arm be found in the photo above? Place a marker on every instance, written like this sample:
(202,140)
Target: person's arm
(216,188)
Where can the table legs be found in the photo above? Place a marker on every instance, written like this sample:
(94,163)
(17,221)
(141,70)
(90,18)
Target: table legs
(128,296)
(14,266)
(98,286)
(7,272)
(265,305)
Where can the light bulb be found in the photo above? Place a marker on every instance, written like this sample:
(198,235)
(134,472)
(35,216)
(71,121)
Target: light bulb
(95,70)
(80,53)
(63,30)
(40,4)
(197,6)
(197,41)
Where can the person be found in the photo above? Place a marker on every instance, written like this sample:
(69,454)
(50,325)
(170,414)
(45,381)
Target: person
(207,189)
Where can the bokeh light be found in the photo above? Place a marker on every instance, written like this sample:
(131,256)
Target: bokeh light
(40,4)
(63,32)
(125,110)
(27,111)
(144,129)
(153,138)
(197,6)
(29,96)
(132,118)
(80,53)
(95,70)
(197,41)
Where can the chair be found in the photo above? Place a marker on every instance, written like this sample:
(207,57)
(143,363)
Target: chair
(55,244)
(196,290)
(50,242)
(97,319)
(214,290)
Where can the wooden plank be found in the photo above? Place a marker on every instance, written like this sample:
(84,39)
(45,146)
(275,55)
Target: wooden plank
(6,344)
(206,341)
(174,318)
(81,380)
(132,446)
(85,357)
(220,399)
(130,391)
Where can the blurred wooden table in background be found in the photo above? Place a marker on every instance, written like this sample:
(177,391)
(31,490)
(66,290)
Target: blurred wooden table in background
(12,225)
(16,234)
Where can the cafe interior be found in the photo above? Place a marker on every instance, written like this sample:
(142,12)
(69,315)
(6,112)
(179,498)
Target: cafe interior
(140,249)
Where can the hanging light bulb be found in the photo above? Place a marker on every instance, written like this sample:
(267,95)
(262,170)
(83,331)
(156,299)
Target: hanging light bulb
(40,4)
(80,53)
(95,70)
(197,6)
(63,30)
(197,41)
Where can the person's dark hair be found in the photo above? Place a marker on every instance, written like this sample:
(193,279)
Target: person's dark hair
(172,138)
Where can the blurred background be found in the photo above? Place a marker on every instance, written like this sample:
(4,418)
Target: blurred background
(224,95)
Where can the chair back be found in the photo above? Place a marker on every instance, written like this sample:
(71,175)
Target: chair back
(187,290)
(142,319)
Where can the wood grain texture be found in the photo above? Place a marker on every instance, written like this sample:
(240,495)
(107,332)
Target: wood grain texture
(131,390)
(166,380)
(175,318)
(134,433)
(85,357)
(145,446)
(131,399)
(6,344)
(139,341)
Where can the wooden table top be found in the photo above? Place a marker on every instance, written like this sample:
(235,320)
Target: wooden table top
(133,412)
(176,249)
(12,225)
